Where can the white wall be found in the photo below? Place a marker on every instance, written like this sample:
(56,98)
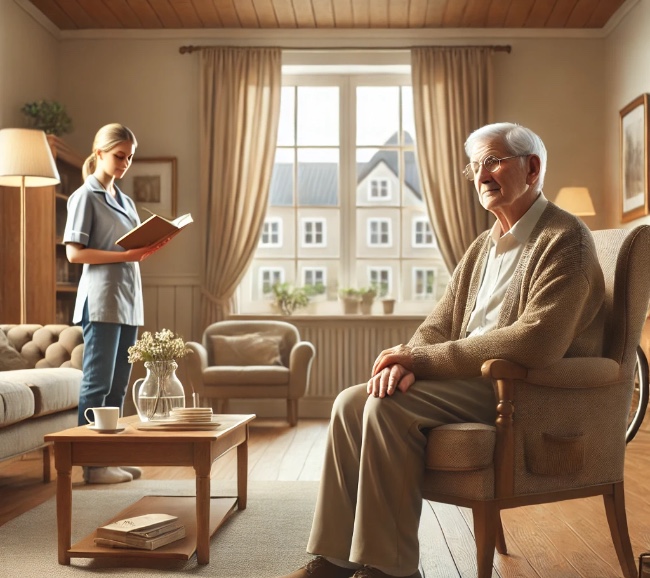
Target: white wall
(627,75)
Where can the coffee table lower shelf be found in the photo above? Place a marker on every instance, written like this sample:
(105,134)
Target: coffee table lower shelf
(182,506)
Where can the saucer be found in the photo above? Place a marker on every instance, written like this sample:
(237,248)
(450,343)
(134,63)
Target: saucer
(118,429)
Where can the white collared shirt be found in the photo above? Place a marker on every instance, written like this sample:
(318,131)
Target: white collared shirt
(504,255)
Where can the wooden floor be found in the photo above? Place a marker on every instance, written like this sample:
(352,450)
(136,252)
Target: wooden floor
(564,540)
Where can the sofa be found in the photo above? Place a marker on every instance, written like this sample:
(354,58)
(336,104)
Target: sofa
(40,377)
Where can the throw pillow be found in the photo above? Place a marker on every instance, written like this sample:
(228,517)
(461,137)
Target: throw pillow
(246,349)
(9,357)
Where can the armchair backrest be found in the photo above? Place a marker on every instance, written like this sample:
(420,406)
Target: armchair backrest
(286,331)
(624,257)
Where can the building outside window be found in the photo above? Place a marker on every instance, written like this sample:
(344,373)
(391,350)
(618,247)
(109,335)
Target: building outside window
(424,283)
(379,189)
(271,232)
(269,276)
(346,194)
(423,233)
(314,234)
(379,233)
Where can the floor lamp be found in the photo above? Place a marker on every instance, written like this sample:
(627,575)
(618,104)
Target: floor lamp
(25,161)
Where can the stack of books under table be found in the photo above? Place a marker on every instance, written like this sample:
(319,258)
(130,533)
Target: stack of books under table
(146,532)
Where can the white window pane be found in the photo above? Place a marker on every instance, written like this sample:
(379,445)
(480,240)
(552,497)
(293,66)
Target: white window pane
(286,126)
(318,177)
(377,115)
(408,118)
(318,116)
(281,192)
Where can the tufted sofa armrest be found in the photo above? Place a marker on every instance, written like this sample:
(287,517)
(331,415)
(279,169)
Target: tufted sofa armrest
(45,346)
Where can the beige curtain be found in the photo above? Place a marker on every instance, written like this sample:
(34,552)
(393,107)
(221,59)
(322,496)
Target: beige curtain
(451,87)
(239,113)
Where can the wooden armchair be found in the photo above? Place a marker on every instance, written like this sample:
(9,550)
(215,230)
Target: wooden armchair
(250,359)
(560,431)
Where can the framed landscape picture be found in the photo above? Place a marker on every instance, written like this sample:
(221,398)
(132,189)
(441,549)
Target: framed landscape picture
(634,159)
(151,183)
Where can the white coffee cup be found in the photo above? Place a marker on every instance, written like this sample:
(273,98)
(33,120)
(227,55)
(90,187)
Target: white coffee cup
(105,417)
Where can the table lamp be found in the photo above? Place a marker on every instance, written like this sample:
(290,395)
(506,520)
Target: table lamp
(25,161)
(576,200)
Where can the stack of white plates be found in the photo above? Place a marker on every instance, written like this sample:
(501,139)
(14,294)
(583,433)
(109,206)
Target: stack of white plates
(192,414)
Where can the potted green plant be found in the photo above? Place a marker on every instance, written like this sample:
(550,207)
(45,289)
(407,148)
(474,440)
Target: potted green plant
(351,299)
(288,298)
(49,116)
(367,295)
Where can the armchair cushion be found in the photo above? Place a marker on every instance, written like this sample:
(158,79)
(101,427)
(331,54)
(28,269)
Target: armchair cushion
(247,349)
(460,447)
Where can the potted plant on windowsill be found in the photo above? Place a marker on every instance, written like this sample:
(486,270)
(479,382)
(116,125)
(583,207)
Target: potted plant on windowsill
(49,116)
(367,295)
(350,299)
(287,298)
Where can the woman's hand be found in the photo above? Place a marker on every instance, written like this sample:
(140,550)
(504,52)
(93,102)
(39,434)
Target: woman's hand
(390,379)
(400,354)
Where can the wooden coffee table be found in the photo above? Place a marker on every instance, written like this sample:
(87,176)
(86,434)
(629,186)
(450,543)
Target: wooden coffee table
(81,446)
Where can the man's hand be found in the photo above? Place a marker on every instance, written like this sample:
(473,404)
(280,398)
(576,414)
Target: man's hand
(389,379)
(400,355)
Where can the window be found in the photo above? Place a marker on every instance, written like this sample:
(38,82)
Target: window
(422,233)
(380,277)
(379,189)
(424,280)
(315,277)
(271,233)
(379,233)
(313,233)
(345,192)
(269,276)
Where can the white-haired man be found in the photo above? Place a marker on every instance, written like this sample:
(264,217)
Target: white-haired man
(529,290)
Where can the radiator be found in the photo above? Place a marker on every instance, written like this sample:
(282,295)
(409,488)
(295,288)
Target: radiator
(346,347)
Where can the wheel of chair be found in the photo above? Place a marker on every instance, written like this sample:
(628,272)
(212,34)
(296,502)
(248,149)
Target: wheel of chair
(640,396)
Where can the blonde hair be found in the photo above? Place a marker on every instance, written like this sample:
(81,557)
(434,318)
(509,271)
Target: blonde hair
(107,137)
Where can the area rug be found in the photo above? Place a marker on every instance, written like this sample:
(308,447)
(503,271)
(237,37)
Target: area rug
(267,539)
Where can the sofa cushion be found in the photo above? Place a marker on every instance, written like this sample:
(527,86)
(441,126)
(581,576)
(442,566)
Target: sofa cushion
(16,402)
(53,390)
(9,356)
(247,349)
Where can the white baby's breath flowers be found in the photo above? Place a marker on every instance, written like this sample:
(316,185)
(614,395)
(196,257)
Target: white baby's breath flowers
(162,346)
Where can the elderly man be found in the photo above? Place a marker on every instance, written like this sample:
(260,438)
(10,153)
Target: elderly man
(529,290)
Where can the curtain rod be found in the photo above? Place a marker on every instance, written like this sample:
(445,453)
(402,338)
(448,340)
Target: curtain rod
(497,48)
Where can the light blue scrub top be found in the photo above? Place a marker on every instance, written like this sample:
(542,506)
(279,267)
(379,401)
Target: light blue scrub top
(96,220)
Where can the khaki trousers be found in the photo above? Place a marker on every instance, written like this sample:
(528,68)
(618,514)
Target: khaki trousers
(370,499)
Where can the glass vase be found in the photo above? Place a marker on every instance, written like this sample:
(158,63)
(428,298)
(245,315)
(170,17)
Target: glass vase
(160,391)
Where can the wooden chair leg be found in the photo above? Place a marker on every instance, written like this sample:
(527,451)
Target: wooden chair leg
(502,548)
(292,412)
(617,520)
(485,531)
(47,463)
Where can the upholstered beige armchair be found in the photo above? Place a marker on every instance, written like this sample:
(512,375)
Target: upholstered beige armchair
(560,431)
(251,359)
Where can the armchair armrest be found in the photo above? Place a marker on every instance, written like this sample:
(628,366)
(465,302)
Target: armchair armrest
(300,360)
(195,364)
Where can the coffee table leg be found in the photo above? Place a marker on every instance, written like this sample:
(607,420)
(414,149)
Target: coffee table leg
(202,517)
(242,473)
(63,464)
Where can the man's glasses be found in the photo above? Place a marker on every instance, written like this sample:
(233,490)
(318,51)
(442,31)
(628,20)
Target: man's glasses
(490,163)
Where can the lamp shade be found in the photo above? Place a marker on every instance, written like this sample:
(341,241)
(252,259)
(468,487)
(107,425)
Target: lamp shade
(25,154)
(576,200)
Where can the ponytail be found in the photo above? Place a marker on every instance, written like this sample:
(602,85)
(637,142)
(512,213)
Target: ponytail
(89,166)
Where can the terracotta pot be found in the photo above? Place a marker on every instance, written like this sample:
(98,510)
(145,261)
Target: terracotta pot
(389,306)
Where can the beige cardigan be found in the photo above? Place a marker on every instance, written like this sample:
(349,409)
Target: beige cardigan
(553,307)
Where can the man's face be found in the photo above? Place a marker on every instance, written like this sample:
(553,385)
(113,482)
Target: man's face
(506,192)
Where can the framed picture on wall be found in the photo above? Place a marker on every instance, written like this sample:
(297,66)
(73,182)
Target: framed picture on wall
(634,159)
(151,183)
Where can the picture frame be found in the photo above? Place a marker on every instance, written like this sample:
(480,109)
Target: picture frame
(634,159)
(151,183)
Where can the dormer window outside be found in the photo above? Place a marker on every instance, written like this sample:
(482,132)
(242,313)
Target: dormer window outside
(378,190)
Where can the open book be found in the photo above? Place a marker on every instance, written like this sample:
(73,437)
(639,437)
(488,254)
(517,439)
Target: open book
(155,230)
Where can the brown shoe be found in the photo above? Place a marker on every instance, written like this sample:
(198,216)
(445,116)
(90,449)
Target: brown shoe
(370,572)
(319,567)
